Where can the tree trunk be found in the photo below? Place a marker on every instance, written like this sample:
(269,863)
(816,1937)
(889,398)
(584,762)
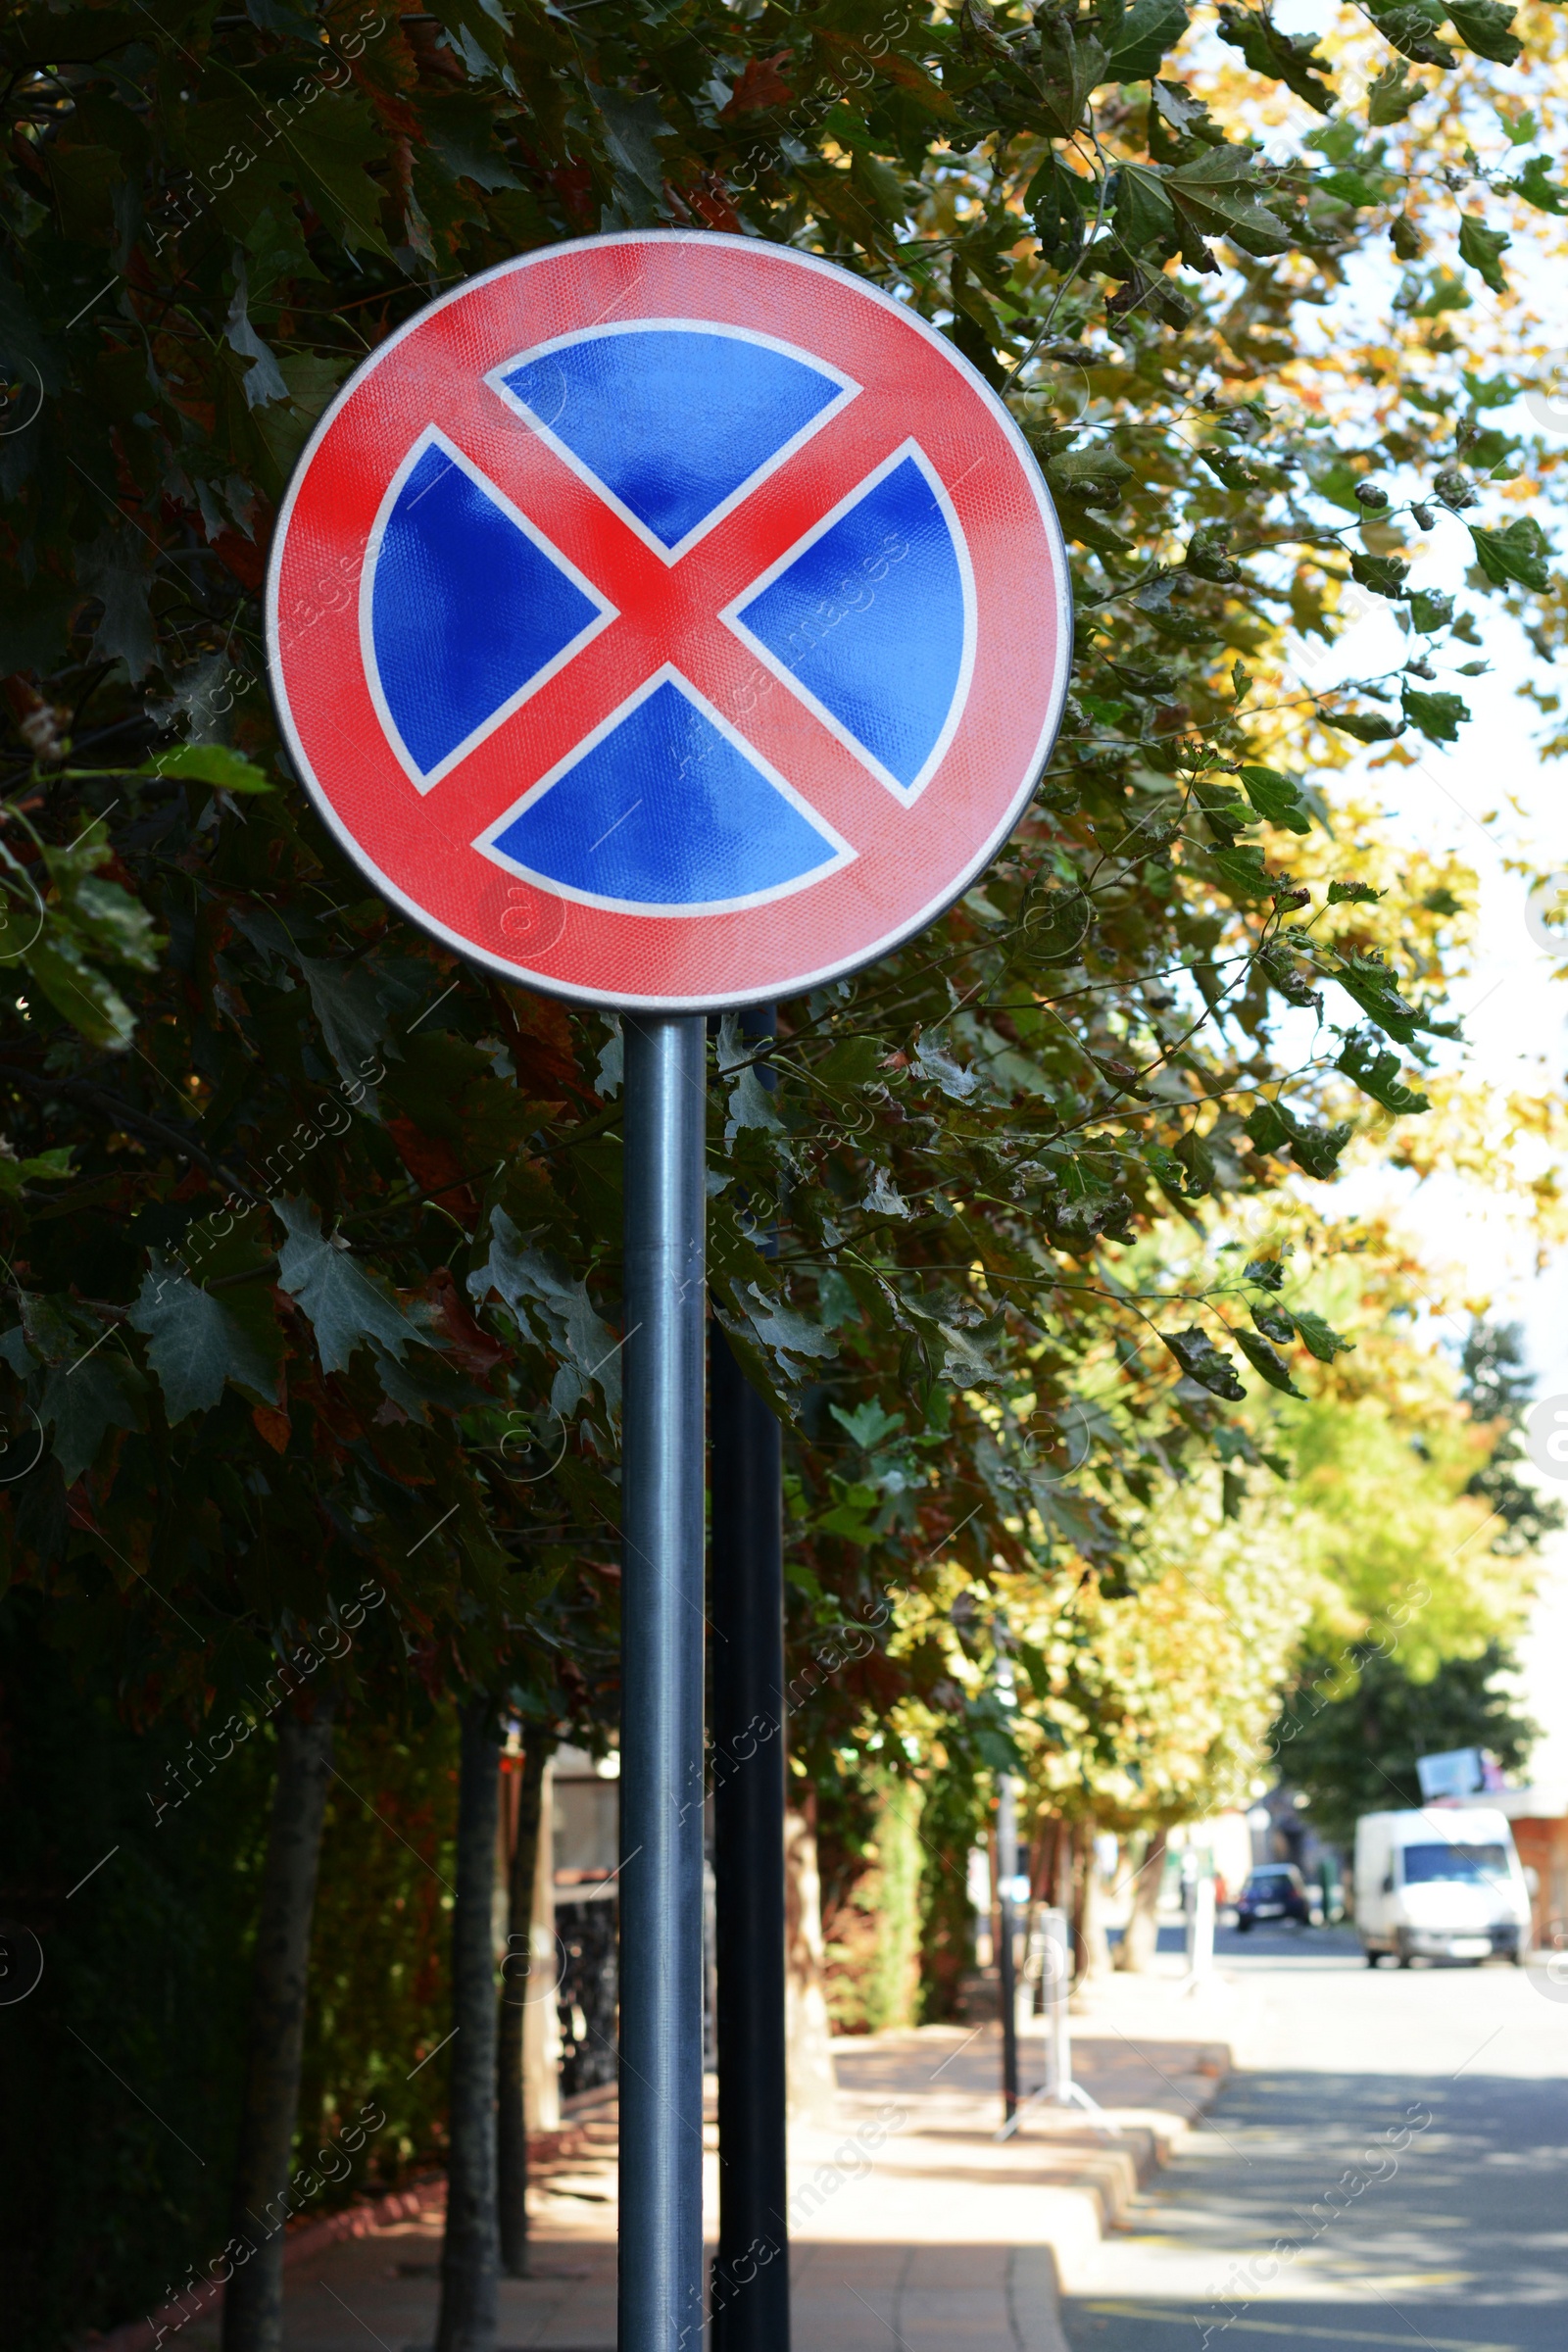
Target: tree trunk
(469,2253)
(528,1976)
(1142,1938)
(252,2301)
(811,2089)
(1094,1951)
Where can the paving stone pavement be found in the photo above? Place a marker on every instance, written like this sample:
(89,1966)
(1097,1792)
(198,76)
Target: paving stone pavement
(913,2228)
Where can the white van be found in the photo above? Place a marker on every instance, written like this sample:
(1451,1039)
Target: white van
(1444,1884)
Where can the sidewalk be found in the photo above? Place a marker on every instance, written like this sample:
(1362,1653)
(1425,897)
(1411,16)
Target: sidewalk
(912,2226)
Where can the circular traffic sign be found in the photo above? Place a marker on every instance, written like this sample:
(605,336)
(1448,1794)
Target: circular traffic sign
(668,620)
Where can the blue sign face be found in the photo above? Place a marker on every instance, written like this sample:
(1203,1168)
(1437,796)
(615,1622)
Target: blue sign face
(664,806)
(668,620)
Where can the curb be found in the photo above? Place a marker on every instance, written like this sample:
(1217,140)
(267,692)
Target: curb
(1108,2182)
(1033,2301)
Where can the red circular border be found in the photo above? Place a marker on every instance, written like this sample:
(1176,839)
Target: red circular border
(915,384)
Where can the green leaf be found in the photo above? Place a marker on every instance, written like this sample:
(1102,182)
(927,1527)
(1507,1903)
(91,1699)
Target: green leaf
(81,1402)
(347,1307)
(1317,1150)
(462,131)
(1367,726)
(1537,189)
(1353,893)
(1273,1320)
(750,1098)
(1219,193)
(1482,248)
(1083,523)
(1168,1170)
(1318,1336)
(1517,554)
(1292,980)
(1192,1153)
(1369,983)
(1385,576)
(1391,94)
(1203,1362)
(855,1061)
(102,915)
(1447,291)
(934,1062)
(1072,63)
(1377,1073)
(1438,716)
(1145,215)
(1263,1359)
(208,764)
(1291,57)
(354,1021)
(1410,26)
(47,1166)
(1358,188)
(1053,201)
(868,1424)
(634,125)
(118,569)
(1095,474)
(1150,29)
(1244,875)
(1275,797)
(750,1105)
(335,147)
(1482,27)
(774,1338)
(1430,610)
(1172,104)
(194,1346)
(1269,1273)
(1314,1149)
(534,1279)
(87,996)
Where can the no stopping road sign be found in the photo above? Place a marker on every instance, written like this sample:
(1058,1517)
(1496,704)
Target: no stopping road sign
(668,620)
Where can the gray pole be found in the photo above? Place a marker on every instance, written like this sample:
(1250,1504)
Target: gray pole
(1007,1987)
(750,2273)
(751,2291)
(661,2291)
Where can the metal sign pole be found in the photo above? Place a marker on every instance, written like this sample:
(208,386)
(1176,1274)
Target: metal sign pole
(1006,1949)
(1058,2026)
(752,2271)
(661,2286)
(750,2300)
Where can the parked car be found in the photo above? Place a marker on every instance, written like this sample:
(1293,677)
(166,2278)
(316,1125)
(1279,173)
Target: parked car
(1278,1890)
(1439,1885)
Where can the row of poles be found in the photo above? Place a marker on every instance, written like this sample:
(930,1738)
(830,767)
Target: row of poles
(672,1447)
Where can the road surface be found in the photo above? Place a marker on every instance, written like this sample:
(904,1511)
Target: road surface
(1388,2166)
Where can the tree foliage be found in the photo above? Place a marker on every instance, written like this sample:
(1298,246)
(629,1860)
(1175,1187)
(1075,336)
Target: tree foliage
(1354,1752)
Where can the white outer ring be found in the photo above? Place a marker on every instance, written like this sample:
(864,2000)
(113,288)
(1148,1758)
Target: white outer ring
(721,1001)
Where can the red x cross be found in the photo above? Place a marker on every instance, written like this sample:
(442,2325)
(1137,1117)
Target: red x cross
(418,847)
(666,611)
